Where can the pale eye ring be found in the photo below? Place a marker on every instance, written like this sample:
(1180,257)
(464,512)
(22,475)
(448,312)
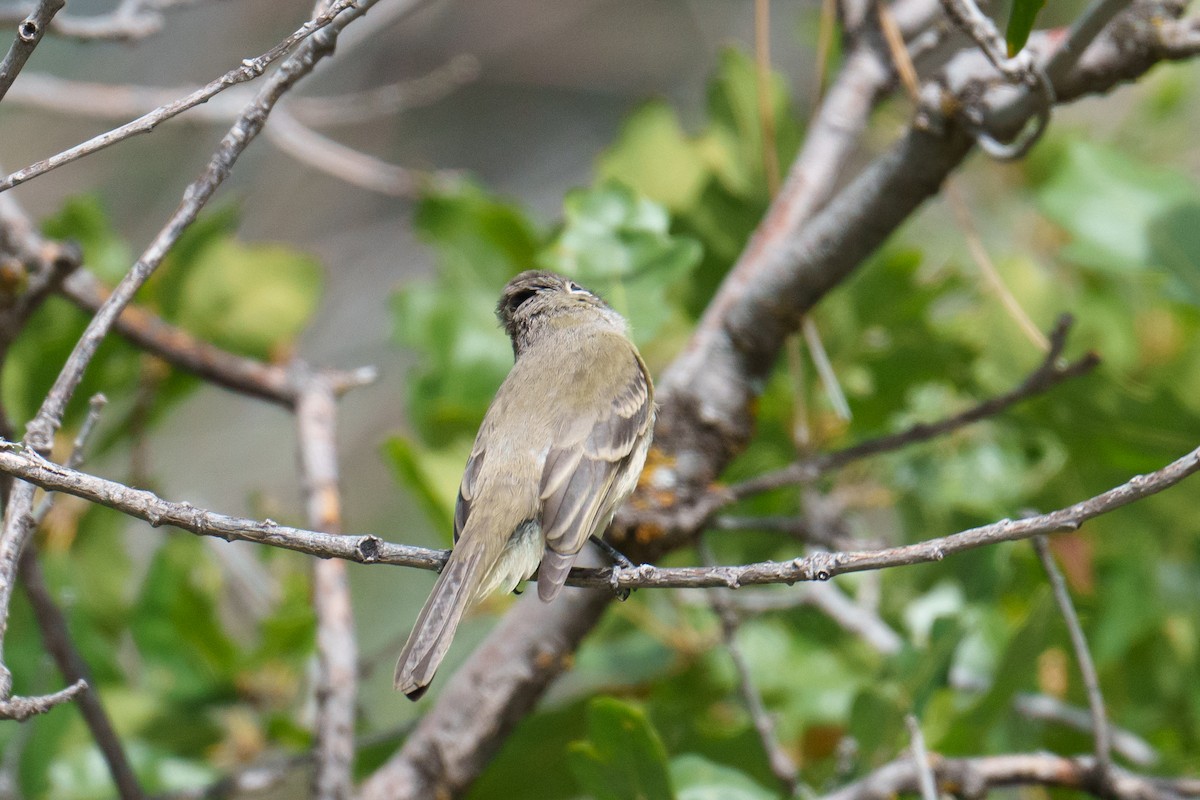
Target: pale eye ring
(575,288)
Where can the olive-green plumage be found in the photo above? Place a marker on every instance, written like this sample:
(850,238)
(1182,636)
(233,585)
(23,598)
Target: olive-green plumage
(559,450)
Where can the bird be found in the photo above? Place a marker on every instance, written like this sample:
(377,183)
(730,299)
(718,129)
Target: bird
(560,448)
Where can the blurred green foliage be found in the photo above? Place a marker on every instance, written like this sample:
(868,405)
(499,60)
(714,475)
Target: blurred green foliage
(181,682)
(651,708)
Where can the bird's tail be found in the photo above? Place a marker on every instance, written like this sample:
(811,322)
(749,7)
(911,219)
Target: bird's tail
(456,588)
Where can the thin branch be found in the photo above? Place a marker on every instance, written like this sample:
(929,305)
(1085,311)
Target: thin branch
(334,158)
(991,276)
(57,638)
(351,108)
(920,759)
(337,650)
(781,764)
(27,465)
(29,35)
(181,349)
(40,430)
(975,777)
(22,708)
(1051,372)
(95,407)
(247,70)
(979,26)
(1101,734)
(1125,743)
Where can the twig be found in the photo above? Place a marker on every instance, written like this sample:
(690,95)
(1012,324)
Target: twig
(22,708)
(247,70)
(1101,734)
(181,349)
(901,60)
(1048,374)
(975,777)
(29,34)
(920,759)
(1125,743)
(781,764)
(352,108)
(40,430)
(57,638)
(991,276)
(980,27)
(334,158)
(337,650)
(1086,28)
(23,463)
(95,407)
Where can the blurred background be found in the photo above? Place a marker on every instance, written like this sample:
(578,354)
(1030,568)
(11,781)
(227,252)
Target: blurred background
(528,101)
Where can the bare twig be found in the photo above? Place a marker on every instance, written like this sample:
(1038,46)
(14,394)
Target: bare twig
(979,26)
(781,764)
(991,276)
(337,649)
(975,777)
(1048,374)
(1125,743)
(353,108)
(29,34)
(248,69)
(57,638)
(95,408)
(1101,734)
(22,708)
(920,759)
(334,158)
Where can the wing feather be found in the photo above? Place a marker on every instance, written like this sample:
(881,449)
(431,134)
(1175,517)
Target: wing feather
(579,479)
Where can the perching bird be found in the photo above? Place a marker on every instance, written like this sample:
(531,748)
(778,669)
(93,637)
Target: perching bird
(560,448)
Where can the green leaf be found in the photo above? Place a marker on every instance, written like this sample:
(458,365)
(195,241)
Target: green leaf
(431,475)
(623,758)
(1108,201)
(252,299)
(653,155)
(83,220)
(697,778)
(1020,23)
(617,243)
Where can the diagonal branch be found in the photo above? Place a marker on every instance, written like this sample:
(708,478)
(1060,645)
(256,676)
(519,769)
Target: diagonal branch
(1101,731)
(181,349)
(29,34)
(1051,372)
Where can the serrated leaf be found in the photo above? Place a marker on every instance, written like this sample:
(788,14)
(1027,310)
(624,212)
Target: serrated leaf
(623,758)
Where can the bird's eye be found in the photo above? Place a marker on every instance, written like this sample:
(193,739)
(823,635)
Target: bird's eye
(516,300)
(575,288)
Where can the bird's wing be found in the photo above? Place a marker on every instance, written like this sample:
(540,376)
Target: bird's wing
(581,473)
(467,489)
